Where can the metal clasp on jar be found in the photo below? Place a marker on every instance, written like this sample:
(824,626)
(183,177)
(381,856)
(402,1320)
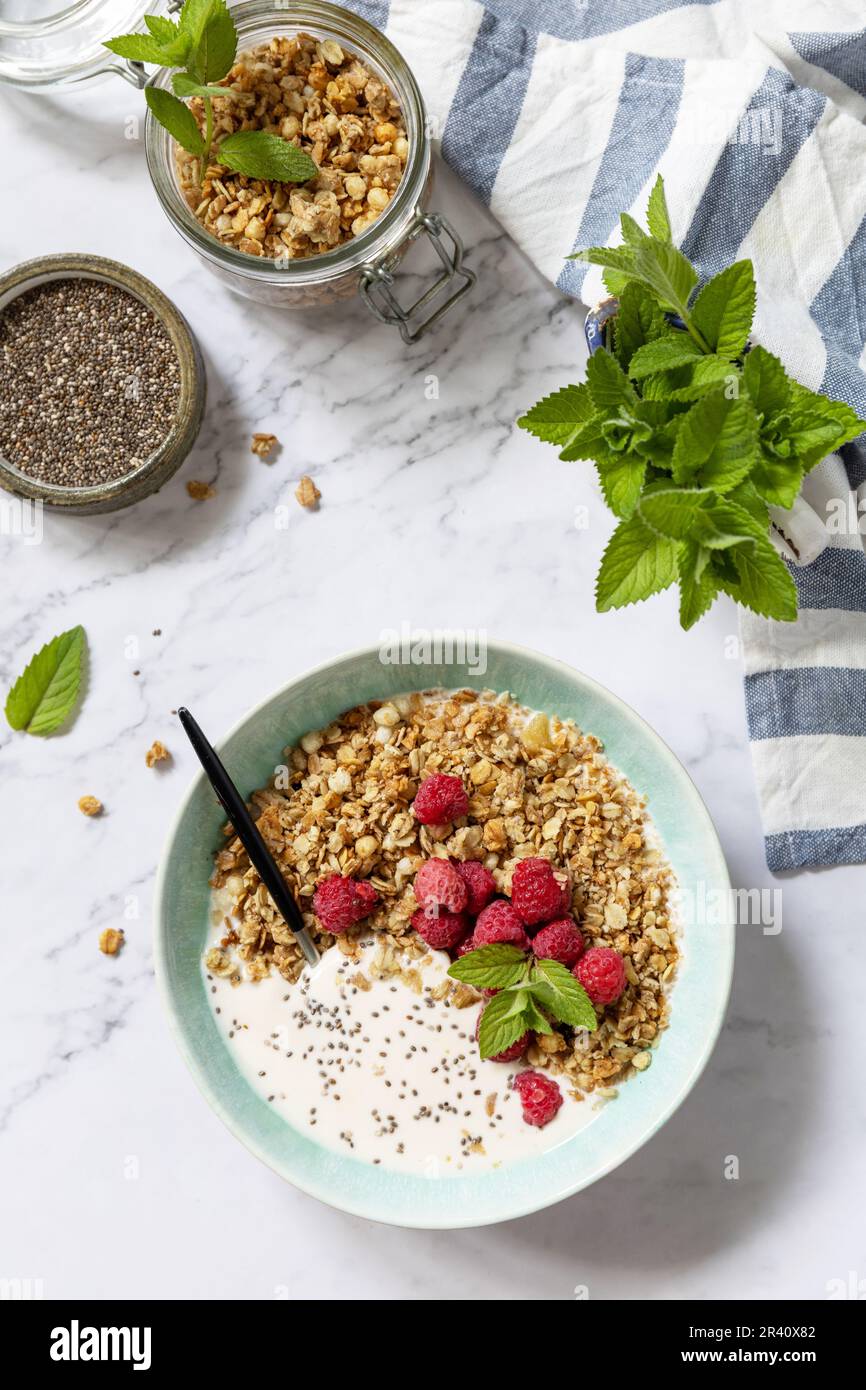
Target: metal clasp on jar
(377,279)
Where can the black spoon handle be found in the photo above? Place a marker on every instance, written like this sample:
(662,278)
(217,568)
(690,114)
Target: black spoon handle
(248,833)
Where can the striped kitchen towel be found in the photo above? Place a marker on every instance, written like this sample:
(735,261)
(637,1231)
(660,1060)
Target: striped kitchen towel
(560,114)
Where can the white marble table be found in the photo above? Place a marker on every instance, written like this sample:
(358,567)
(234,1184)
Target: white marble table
(119,1181)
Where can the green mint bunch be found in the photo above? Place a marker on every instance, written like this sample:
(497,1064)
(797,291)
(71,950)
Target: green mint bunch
(693,432)
(531,992)
(203,43)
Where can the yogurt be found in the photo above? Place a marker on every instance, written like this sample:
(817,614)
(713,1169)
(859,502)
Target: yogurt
(382,1071)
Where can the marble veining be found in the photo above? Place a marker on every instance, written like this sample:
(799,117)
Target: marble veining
(437,512)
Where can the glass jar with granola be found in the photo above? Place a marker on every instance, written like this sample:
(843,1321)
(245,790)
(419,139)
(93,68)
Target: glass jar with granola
(325,79)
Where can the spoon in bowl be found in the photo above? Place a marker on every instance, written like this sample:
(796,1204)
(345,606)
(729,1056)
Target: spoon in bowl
(249,835)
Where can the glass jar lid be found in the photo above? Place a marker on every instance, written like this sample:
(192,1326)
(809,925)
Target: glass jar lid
(46,43)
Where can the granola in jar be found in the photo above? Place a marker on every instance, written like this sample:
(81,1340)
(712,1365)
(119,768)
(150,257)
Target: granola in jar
(328,102)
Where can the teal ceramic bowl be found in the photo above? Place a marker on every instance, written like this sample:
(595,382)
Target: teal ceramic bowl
(619,1127)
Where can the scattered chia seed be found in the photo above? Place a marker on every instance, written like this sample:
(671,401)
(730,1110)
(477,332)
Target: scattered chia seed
(89,382)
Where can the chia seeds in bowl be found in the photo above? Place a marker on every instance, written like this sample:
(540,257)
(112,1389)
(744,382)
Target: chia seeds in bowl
(101,384)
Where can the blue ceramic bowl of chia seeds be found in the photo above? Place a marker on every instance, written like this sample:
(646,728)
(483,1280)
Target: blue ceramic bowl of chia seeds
(619,1127)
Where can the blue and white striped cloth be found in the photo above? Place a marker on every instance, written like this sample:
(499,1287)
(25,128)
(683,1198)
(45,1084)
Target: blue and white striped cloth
(559,114)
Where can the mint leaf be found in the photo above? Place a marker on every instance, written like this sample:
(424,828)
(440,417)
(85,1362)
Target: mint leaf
(177,119)
(615,257)
(491,967)
(265,156)
(717,443)
(145,48)
(671,511)
(621,482)
(657,216)
(636,563)
(632,234)
(745,496)
(186,86)
(43,697)
(557,417)
(667,272)
(665,353)
(764,584)
(215,41)
(638,320)
(692,382)
(698,583)
(165,31)
(562,995)
(504,1020)
(608,384)
(721,523)
(777,480)
(757,577)
(766,382)
(724,309)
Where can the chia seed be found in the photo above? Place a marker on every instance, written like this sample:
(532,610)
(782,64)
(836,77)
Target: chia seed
(89,382)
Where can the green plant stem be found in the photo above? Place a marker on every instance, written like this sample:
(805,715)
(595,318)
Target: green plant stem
(695,333)
(208,135)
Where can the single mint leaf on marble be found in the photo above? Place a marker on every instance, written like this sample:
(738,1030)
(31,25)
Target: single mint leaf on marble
(504,1020)
(491,967)
(657,215)
(562,995)
(724,309)
(636,563)
(558,417)
(177,119)
(44,695)
(265,156)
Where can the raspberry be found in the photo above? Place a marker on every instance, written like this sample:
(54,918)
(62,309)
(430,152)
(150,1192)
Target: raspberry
(441,930)
(466,946)
(560,941)
(440,799)
(539,1095)
(480,884)
(511,1053)
(341,902)
(602,973)
(537,895)
(499,922)
(438,884)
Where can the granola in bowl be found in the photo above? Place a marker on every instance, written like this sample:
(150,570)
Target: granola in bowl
(330,103)
(342,810)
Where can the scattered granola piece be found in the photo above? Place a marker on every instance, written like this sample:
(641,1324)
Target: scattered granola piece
(536,734)
(307,493)
(490,1104)
(264,445)
(157,753)
(90,806)
(200,492)
(110,941)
